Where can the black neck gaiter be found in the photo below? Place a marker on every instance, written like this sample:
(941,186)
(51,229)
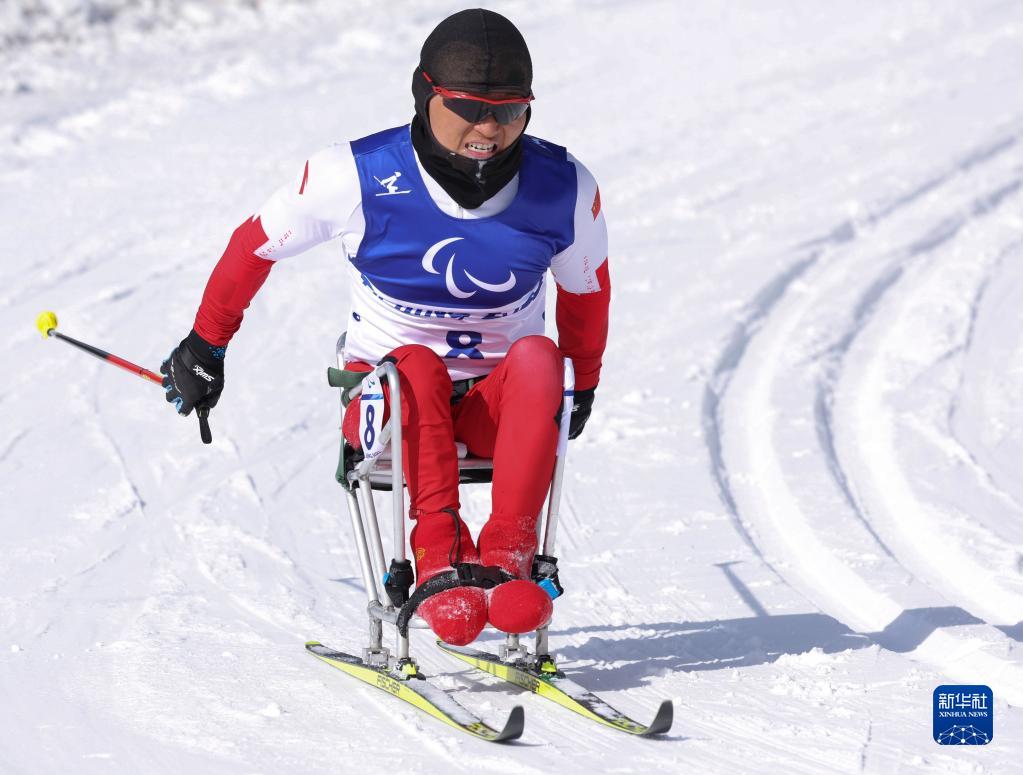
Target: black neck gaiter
(469,182)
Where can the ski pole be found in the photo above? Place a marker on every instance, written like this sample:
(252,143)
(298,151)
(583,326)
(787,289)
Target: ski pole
(47,325)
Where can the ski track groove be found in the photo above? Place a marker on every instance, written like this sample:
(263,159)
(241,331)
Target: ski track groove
(918,249)
(824,399)
(866,744)
(13,443)
(983,476)
(987,597)
(868,304)
(761,312)
(78,259)
(100,426)
(717,386)
(57,585)
(212,544)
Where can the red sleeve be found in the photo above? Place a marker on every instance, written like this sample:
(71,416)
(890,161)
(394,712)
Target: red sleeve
(233,283)
(582,328)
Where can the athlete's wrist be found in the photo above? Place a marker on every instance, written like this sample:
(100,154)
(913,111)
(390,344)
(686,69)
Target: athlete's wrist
(206,353)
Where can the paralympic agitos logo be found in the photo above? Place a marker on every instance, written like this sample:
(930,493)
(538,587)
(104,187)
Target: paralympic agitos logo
(449,273)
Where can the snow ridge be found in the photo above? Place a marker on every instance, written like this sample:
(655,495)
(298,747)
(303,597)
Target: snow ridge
(794,516)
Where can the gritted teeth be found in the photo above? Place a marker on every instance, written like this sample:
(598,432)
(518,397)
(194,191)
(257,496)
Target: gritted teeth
(481,147)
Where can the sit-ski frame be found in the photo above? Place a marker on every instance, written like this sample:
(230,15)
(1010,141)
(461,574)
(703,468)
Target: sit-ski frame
(366,475)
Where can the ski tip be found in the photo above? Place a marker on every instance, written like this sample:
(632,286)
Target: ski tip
(309,644)
(662,721)
(513,727)
(46,322)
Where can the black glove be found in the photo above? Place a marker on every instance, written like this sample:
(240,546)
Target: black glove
(582,403)
(194,374)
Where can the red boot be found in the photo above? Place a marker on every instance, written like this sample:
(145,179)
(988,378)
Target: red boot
(516,606)
(439,540)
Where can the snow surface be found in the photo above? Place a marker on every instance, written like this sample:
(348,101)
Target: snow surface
(797,508)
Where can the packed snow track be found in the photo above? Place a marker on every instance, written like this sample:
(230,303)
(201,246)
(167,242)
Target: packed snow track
(796,510)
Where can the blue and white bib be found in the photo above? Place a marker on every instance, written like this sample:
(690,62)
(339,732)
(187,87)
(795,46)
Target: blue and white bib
(466,288)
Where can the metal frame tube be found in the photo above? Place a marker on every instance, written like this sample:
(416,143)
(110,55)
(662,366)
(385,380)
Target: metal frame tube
(370,517)
(389,614)
(557,482)
(397,470)
(355,513)
(542,649)
(389,371)
(378,613)
(376,633)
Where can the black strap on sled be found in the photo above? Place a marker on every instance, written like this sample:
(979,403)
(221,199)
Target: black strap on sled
(545,574)
(464,574)
(398,582)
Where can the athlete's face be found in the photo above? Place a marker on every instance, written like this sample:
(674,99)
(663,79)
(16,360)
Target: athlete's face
(477,141)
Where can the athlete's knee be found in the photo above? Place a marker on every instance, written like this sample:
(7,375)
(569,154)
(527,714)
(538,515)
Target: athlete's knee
(416,361)
(413,352)
(537,357)
(535,349)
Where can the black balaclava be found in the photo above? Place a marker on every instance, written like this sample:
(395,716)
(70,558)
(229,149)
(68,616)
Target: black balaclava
(480,52)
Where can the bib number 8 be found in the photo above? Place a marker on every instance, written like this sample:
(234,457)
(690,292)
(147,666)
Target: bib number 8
(370,435)
(371,407)
(464,344)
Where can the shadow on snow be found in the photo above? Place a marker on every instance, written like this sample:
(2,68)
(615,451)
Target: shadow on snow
(666,647)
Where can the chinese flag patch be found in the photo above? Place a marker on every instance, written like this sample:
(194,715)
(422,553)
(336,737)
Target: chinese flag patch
(595,209)
(305,179)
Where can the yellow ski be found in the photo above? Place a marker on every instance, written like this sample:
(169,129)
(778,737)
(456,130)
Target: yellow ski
(417,691)
(554,685)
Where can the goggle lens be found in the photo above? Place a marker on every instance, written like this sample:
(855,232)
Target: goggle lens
(475,111)
(474,108)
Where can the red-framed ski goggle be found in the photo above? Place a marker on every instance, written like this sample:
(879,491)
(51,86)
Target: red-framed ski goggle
(474,107)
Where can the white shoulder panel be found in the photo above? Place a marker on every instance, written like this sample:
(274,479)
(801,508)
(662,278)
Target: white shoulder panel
(575,268)
(315,207)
